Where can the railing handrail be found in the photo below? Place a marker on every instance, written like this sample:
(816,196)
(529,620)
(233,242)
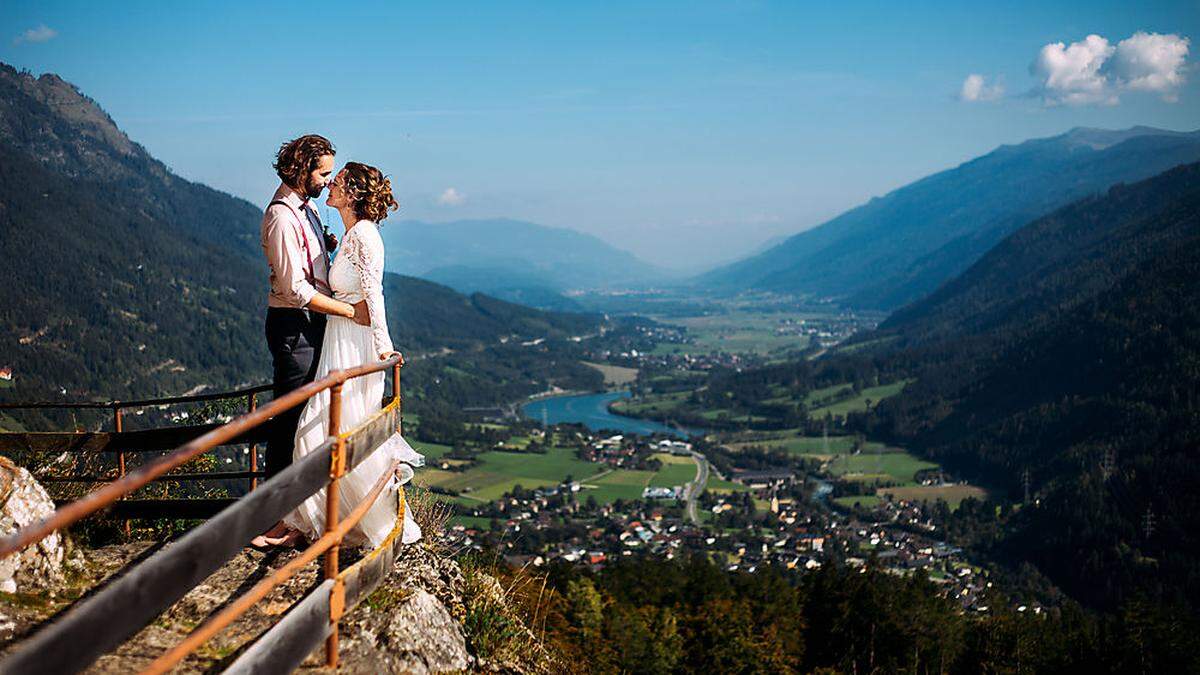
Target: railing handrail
(328,541)
(103,496)
(138,403)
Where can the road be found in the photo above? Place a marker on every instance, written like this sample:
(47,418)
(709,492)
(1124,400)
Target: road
(696,487)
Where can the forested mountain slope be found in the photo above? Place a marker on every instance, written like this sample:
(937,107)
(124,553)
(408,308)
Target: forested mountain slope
(101,297)
(126,280)
(1072,352)
(69,134)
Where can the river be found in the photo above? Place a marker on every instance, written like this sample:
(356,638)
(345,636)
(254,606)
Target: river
(591,410)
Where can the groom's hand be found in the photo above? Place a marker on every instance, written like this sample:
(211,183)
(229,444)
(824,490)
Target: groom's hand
(361,316)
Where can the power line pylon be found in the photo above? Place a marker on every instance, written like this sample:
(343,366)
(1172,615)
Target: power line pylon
(1108,463)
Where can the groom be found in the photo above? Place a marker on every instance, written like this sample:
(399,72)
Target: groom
(297,248)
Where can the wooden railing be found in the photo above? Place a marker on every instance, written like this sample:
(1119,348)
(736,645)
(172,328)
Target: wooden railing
(122,443)
(101,622)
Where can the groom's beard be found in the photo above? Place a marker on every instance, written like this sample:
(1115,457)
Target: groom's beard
(314,191)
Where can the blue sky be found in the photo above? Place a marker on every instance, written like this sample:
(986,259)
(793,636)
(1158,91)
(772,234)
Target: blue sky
(685,132)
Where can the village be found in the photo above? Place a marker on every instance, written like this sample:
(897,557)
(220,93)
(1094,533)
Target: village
(758,518)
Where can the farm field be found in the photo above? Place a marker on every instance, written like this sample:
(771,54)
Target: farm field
(724,415)
(953,495)
(865,501)
(614,376)
(739,331)
(812,399)
(619,484)
(471,521)
(517,442)
(898,466)
(812,446)
(859,403)
(498,472)
(432,451)
(835,400)
(818,396)
(655,404)
(676,470)
(878,342)
(719,486)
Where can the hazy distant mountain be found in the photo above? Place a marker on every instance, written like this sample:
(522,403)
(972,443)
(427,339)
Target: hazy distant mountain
(501,256)
(124,279)
(507,283)
(900,247)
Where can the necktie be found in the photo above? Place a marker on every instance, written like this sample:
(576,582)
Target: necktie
(315,223)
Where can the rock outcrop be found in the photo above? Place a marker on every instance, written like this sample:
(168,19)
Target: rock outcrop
(23,501)
(415,622)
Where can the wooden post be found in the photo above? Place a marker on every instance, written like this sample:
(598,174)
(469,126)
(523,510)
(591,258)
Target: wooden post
(119,426)
(336,469)
(253,448)
(396,396)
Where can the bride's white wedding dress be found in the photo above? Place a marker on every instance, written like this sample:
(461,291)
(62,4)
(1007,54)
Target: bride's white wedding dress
(356,274)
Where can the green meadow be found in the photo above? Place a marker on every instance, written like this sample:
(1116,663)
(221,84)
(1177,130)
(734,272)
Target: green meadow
(738,331)
(499,472)
(618,484)
(815,446)
(865,501)
(676,470)
(719,486)
(896,467)
(432,451)
(865,399)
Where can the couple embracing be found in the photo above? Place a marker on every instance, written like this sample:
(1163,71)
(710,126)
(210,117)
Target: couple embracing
(325,312)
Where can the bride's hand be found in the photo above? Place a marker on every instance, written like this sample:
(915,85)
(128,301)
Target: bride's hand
(387,355)
(362,316)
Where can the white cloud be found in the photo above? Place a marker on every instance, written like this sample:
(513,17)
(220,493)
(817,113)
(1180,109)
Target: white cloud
(976,88)
(1071,74)
(42,33)
(1150,62)
(1093,71)
(451,197)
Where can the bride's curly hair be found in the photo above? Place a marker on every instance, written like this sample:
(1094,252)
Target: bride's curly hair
(369,191)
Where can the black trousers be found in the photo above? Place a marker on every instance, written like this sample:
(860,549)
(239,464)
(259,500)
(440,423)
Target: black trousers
(294,337)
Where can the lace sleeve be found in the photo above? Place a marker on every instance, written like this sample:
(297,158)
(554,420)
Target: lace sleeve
(366,255)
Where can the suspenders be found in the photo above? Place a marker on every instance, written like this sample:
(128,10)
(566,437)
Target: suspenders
(311,272)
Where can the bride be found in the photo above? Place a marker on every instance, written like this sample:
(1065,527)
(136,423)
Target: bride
(363,197)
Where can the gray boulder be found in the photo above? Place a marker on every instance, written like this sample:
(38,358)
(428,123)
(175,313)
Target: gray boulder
(23,501)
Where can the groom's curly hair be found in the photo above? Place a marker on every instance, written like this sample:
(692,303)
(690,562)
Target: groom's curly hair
(298,157)
(369,191)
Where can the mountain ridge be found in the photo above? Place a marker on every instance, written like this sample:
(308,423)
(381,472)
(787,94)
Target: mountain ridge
(895,248)
(1073,340)
(514,254)
(131,281)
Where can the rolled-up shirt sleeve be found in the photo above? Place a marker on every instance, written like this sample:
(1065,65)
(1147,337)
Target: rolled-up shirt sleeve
(286,258)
